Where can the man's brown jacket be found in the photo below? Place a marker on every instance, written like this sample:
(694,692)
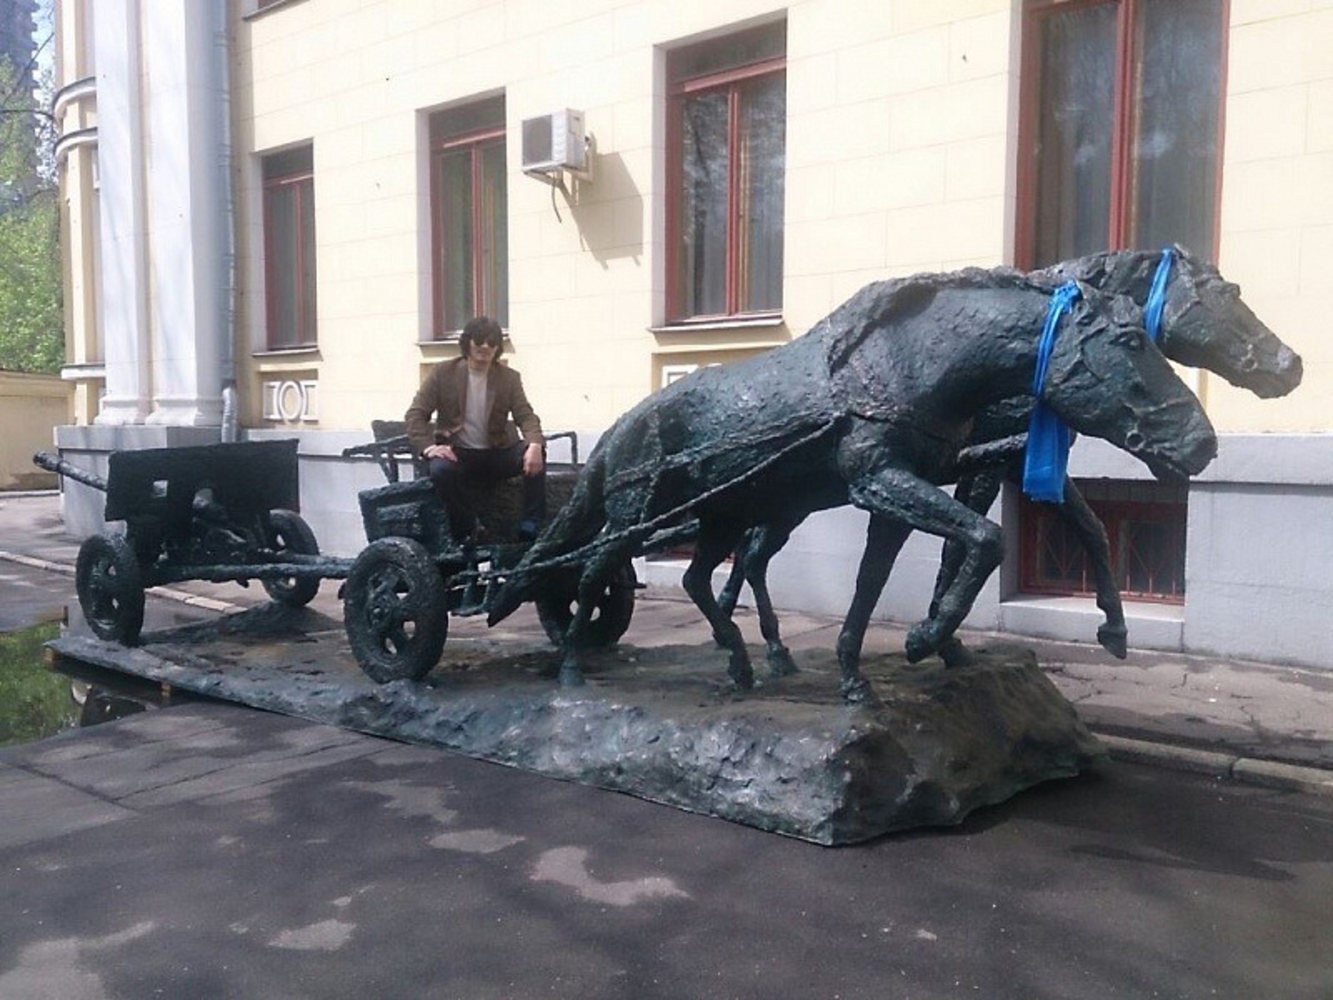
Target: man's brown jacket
(442,394)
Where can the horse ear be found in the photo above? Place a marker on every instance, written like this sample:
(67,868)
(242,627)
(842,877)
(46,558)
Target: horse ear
(873,308)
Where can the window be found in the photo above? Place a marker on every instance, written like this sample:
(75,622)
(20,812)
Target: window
(1145,524)
(289,247)
(1120,133)
(727,140)
(470,212)
(1133,164)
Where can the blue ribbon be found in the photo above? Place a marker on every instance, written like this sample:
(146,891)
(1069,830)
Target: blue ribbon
(1152,310)
(1046,458)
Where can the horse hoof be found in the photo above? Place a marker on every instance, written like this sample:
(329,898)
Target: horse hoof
(955,655)
(858,691)
(571,677)
(780,663)
(1115,639)
(920,642)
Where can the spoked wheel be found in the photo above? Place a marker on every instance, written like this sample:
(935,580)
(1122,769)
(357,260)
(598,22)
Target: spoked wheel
(109,583)
(610,616)
(394,610)
(288,532)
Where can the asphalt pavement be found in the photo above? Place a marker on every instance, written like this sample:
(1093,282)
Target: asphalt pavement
(208,850)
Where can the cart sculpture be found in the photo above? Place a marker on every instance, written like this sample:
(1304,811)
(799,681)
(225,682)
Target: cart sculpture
(221,513)
(228,513)
(412,575)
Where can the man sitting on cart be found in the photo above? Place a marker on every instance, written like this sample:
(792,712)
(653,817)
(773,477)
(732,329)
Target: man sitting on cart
(472,399)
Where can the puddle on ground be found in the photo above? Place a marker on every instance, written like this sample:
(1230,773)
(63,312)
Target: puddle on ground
(38,700)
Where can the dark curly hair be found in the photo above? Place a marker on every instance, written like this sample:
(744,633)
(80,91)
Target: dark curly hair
(481,330)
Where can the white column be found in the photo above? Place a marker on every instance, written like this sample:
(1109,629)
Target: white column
(187,217)
(123,303)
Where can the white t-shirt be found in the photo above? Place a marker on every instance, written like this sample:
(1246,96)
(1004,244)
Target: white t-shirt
(476,407)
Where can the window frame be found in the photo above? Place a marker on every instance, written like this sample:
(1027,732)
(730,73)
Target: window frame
(476,141)
(679,89)
(1034,12)
(1115,515)
(300,182)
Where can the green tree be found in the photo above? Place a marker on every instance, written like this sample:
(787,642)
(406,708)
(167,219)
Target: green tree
(32,335)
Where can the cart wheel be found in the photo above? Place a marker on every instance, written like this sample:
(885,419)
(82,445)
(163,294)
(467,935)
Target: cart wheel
(610,618)
(110,588)
(394,610)
(288,532)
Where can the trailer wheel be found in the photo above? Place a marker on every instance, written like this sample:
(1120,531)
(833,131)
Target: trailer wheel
(610,617)
(288,532)
(394,610)
(109,583)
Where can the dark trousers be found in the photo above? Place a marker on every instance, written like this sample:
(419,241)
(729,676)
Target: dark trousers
(485,465)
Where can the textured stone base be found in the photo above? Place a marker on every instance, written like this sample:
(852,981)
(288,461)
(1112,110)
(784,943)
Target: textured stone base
(661,723)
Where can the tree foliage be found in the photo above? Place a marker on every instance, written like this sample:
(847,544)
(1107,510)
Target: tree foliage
(32,335)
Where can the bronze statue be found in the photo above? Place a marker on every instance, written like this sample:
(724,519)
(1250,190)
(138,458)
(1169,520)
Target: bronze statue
(872,406)
(1193,314)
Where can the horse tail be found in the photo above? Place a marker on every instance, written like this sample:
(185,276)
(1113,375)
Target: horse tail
(581,518)
(576,524)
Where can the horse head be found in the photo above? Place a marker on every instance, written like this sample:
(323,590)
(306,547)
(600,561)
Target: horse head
(1206,325)
(1108,380)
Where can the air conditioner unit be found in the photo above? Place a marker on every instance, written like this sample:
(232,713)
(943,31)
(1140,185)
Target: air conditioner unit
(554,142)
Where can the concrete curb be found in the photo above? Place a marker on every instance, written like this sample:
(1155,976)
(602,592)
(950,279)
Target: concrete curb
(168,593)
(1272,774)
(45,564)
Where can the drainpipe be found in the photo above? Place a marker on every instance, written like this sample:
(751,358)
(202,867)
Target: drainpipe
(230,409)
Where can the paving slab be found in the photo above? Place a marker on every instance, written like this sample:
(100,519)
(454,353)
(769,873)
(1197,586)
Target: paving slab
(38,808)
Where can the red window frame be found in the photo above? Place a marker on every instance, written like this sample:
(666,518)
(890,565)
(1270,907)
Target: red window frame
(1127,15)
(682,86)
(485,299)
(1124,509)
(289,175)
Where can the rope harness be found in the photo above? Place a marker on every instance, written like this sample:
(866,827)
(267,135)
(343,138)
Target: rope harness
(1046,459)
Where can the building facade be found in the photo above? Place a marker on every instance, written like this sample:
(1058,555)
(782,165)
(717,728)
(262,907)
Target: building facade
(278,215)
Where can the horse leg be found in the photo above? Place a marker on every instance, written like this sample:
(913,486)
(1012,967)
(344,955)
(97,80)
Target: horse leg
(978,491)
(716,540)
(899,495)
(1113,633)
(730,594)
(597,574)
(884,540)
(768,541)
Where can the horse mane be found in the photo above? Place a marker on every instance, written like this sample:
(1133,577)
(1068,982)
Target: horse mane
(881,303)
(1118,272)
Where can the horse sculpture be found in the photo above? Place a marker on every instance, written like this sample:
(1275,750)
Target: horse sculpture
(871,406)
(1200,322)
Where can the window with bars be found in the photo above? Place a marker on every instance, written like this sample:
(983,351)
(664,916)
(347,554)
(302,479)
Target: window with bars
(289,247)
(470,213)
(727,140)
(1145,525)
(1120,127)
